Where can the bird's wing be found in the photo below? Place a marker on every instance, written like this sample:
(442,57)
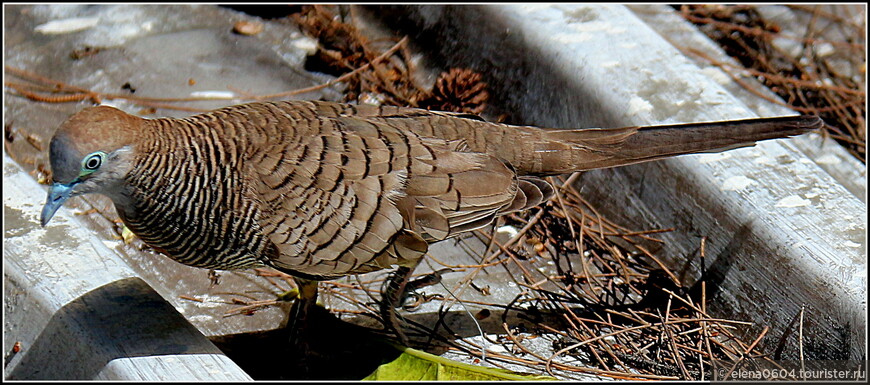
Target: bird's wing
(367,195)
(329,201)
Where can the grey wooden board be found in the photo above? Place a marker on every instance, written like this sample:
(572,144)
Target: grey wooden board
(188,367)
(782,233)
(75,307)
(827,154)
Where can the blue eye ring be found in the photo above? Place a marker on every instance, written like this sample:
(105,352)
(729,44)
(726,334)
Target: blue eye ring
(92,162)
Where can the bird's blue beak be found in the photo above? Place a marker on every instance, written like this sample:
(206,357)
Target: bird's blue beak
(57,194)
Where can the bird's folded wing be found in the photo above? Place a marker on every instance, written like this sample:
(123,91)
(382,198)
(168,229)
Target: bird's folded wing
(367,195)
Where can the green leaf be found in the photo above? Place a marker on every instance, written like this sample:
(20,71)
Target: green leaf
(127,235)
(416,365)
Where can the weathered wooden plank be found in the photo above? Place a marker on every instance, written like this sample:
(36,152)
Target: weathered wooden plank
(74,307)
(188,367)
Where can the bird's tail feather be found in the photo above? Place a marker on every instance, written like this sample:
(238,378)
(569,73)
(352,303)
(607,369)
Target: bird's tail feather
(612,147)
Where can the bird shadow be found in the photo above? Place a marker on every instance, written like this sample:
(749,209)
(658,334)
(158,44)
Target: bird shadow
(327,349)
(330,348)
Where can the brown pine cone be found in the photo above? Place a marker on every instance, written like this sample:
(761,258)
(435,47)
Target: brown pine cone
(458,90)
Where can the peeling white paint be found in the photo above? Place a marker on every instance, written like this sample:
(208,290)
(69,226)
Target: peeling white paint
(710,158)
(56,27)
(214,94)
(829,159)
(851,244)
(510,230)
(792,201)
(637,105)
(735,183)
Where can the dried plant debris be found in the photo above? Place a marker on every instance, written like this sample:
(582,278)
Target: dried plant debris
(84,52)
(342,48)
(825,73)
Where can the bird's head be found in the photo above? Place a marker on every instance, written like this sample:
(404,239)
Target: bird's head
(90,153)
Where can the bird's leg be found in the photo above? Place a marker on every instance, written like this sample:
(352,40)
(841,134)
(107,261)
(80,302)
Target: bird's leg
(306,299)
(392,296)
(430,279)
(396,290)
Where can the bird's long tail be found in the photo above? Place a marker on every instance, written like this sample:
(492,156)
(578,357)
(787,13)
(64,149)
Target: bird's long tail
(551,151)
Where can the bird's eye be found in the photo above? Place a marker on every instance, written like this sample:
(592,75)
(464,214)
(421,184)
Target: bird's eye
(92,162)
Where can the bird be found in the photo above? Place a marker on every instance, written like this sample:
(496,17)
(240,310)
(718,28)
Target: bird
(321,190)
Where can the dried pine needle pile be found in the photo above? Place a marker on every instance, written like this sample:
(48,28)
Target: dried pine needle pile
(820,70)
(343,49)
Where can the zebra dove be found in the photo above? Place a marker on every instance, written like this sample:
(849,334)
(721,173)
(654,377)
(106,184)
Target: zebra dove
(321,190)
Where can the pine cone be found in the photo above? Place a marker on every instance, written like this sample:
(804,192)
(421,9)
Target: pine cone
(458,90)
